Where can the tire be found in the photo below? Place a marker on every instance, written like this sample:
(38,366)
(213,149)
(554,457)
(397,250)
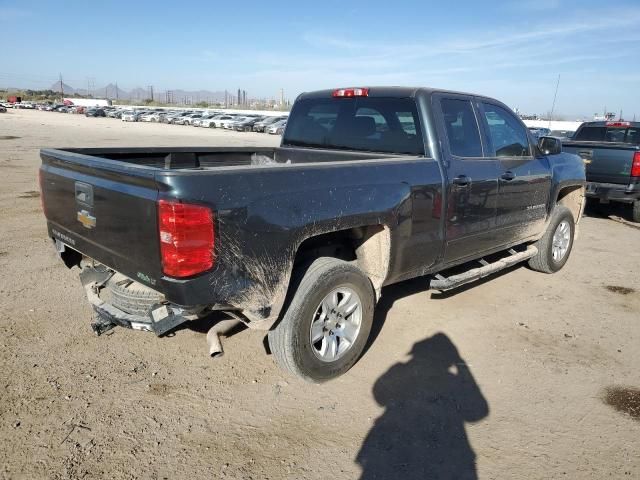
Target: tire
(131,297)
(544,260)
(635,214)
(290,341)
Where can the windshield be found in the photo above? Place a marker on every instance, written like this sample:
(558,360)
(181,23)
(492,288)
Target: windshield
(389,125)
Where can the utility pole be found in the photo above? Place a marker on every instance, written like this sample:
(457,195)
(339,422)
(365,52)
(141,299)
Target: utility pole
(91,85)
(116,90)
(151,91)
(61,89)
(553,105)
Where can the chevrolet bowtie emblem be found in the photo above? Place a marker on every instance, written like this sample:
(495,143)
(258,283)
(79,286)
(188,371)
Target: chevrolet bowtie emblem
(86,219)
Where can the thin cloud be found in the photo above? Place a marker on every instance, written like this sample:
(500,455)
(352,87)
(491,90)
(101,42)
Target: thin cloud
(478,41)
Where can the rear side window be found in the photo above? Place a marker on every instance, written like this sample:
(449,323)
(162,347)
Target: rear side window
(387,125)
(591,134)
(462,128)
(508,135)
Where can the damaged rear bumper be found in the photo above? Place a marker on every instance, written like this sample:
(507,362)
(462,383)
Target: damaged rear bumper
(161,317)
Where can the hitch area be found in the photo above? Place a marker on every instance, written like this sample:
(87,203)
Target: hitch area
(157,316)
(146,309)
(102,325)
(457,277)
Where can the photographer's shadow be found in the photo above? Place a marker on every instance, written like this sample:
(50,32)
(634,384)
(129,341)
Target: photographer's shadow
(428,400)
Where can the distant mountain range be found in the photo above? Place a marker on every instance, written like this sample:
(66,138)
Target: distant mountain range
(112,92)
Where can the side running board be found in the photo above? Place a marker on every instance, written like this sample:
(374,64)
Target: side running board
(441,282)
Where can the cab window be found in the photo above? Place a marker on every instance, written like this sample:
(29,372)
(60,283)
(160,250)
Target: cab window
(507,134)
(461,125)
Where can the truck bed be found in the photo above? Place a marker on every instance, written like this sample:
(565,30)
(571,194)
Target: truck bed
(205,158)
(102,202)
(606,162)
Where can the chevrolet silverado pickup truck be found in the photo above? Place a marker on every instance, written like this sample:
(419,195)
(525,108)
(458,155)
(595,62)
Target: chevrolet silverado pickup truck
(370,186)
(611,151)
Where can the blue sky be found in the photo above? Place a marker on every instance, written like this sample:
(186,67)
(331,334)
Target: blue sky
(513,51)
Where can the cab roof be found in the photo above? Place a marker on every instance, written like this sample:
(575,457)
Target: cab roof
(387,92)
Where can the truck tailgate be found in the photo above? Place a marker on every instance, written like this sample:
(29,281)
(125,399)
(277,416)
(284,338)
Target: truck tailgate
(105,209)
(605,162)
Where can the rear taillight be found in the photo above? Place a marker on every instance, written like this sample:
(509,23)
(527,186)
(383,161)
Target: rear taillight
(186,238)
(635,166)
(351,92)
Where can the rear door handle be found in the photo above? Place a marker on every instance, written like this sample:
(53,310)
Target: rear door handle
(508,176)
(461,181)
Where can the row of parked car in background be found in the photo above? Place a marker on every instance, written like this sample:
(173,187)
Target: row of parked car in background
(241,122)
(539,132)
(214,119)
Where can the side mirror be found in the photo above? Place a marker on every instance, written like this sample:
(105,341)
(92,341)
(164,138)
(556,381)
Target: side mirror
(550,145)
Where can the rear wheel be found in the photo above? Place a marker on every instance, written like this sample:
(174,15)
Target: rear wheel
(325,327)
(555,245)
(635,215)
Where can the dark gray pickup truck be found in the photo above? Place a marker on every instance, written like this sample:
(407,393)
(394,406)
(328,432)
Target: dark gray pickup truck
(611,151)
(370,186)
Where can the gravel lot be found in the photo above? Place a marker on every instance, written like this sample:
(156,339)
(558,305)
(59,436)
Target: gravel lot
(515,373)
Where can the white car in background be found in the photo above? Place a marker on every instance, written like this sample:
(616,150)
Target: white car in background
(198,121)
(152,117)
(130,116)
(187,119)
(222,120)
(145,117)
(209,122)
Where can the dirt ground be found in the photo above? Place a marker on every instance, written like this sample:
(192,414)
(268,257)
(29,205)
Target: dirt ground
(510,378)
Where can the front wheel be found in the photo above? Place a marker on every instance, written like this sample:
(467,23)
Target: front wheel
(555,245)
(326,325)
